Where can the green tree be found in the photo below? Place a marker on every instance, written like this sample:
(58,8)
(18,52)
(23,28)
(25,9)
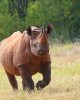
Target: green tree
(18,7)
(63,14)
(74,20)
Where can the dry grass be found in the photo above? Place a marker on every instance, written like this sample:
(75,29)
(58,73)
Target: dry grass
(65,83)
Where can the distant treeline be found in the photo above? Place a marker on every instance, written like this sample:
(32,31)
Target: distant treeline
(63,14)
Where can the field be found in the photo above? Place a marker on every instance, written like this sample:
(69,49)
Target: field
(65,79)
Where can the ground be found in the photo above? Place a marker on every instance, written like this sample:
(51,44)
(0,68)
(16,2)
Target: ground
(65,78)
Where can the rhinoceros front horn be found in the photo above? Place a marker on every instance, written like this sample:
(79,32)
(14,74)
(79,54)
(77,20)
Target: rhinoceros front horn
(43,29)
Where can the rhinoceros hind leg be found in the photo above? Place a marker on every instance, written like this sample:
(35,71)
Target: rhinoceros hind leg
(24,85)
(12,81)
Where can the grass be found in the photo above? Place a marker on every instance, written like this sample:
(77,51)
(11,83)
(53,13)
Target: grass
(65,82)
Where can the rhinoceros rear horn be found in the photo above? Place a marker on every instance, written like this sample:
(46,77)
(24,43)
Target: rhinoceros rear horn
(29,30)
(49,28)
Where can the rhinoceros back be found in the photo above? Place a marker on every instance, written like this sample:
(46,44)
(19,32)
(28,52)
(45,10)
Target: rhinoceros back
(7,47)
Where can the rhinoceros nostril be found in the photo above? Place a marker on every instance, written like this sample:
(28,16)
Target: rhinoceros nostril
(43,52)
(40,51)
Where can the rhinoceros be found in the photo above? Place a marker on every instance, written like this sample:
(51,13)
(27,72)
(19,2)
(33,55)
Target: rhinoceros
(25,54)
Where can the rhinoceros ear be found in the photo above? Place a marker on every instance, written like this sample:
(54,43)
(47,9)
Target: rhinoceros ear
(49,28)
(29,30)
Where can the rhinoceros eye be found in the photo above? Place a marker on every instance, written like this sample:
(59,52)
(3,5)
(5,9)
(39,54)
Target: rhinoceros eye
(34,45)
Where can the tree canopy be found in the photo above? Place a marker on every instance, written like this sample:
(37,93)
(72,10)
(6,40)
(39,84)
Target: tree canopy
(63,14)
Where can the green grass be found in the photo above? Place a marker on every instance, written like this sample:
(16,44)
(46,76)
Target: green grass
(65,78)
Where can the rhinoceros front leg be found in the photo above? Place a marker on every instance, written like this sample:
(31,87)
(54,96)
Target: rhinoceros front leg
(27,80)
(46,72)
(30,84)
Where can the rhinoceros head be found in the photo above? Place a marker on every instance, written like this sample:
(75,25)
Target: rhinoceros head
(39,43)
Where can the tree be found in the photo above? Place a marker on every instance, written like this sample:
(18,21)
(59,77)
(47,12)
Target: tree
(19,6)
(74,20)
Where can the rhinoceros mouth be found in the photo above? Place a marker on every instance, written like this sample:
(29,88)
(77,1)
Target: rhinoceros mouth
(39,50)
(42,53)
(39,53)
